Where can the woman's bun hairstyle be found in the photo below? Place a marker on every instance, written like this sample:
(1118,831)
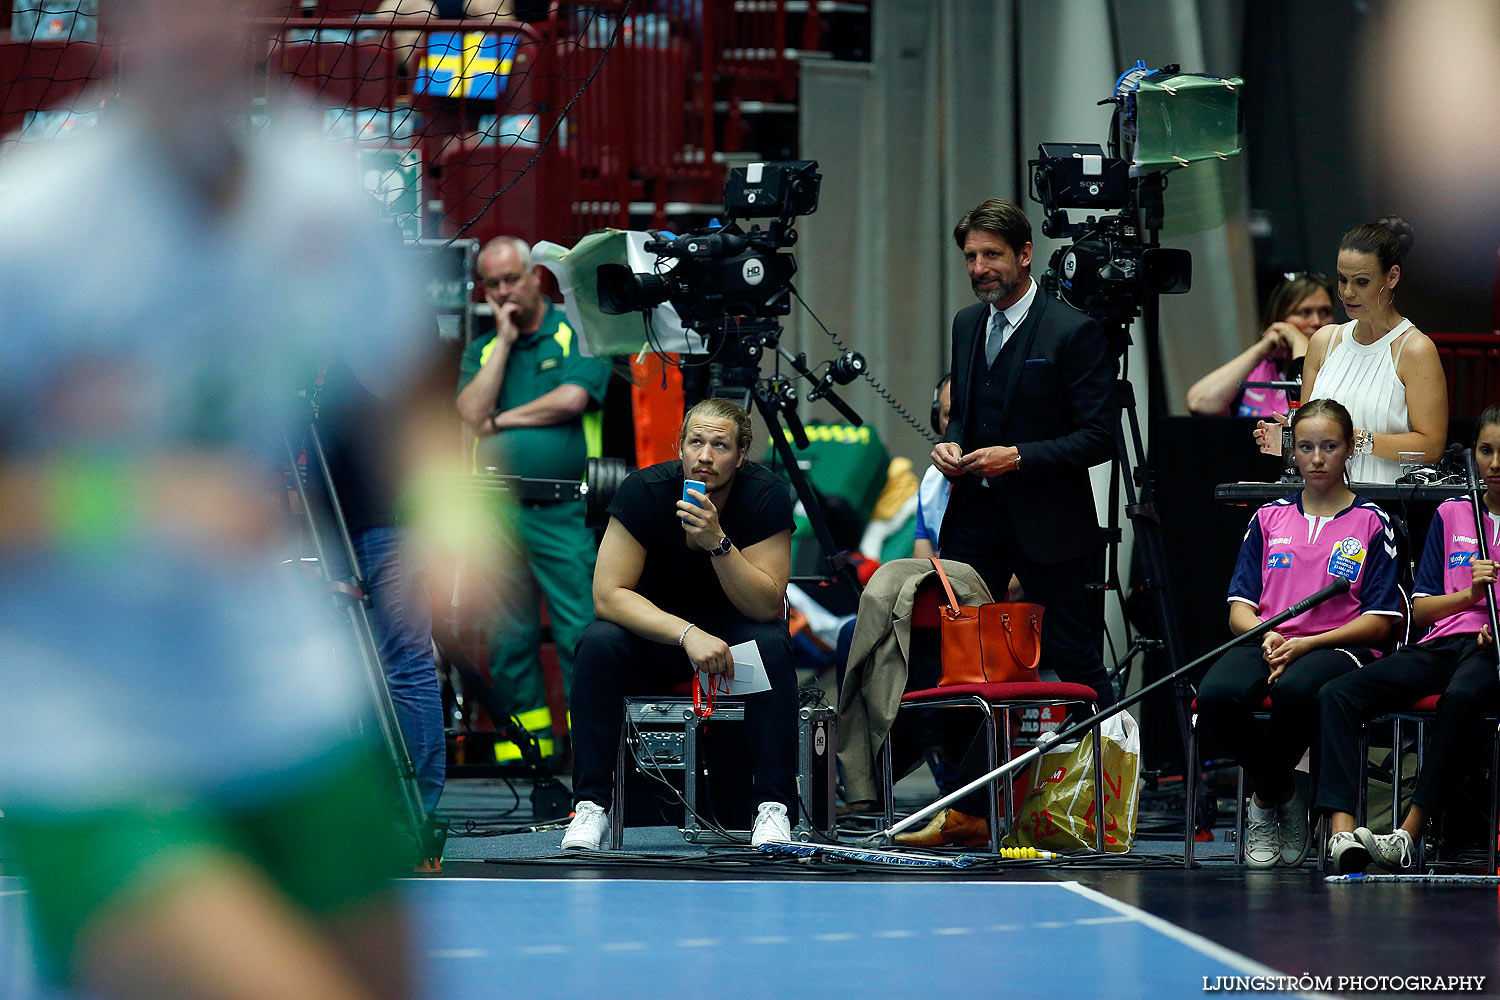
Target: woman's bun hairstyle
(1388,240)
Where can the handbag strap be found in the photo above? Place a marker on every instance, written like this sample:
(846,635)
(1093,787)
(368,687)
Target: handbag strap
(952,599)
(1011,642)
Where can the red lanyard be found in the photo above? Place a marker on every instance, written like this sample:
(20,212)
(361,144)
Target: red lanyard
(703,702)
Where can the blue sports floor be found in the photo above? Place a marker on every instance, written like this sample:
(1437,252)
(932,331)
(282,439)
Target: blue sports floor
(759,939)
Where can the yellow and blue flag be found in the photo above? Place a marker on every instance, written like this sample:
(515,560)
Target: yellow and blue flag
(472,64)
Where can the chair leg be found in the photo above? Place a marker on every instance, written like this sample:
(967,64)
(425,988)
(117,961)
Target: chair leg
(1239,816)
(617,809)
(1100,784)
(888,781)
(991,738)
(1008,786)
(1190,784)
(1395,773)
(1396,824)
(1362,785)
(1494,828)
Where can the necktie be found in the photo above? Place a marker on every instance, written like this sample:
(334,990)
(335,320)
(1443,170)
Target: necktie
(996,339)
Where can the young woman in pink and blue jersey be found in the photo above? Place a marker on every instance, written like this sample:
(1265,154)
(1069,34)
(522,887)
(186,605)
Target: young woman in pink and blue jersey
(1456,660)
(1294,547)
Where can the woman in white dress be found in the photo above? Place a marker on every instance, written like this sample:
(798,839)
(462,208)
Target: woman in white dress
(1384,370)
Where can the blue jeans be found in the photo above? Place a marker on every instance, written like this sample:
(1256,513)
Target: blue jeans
(401,615)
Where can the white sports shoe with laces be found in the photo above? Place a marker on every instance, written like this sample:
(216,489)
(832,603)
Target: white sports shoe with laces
(1347,853)
(589,830)
(1296,833)
(1395,852)
(771,825)
(1262,835)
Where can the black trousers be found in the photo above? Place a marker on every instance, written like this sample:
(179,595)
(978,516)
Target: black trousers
(981,532)
(1232,691)
(1456,668)
(612,663)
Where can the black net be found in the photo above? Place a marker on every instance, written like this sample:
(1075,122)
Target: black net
(473,118)
(463,119)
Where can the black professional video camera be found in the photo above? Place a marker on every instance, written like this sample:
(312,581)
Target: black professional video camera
(1110,264)
(725,271)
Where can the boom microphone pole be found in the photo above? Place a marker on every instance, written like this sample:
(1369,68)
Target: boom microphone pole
(1338,586)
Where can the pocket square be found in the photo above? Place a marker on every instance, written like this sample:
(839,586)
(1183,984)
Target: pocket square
(1036,362)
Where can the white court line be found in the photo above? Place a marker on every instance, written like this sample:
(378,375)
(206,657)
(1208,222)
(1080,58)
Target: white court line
(836,936)
(1197,942)
(458,953)
(697,942)
(951,931)
(544,949)
(15,892)
(625,946)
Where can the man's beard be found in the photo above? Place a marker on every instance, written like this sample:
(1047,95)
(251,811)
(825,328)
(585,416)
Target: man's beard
(1000,291)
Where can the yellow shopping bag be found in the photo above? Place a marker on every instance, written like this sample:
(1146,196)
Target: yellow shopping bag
(1058,811)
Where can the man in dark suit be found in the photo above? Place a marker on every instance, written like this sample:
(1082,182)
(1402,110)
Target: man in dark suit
(1032,410)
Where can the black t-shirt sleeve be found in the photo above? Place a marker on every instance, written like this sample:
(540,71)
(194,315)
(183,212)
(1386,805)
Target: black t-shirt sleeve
(632,506)
(769,513)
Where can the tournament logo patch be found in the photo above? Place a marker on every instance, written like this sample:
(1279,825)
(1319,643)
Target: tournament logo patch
(1279,560)
(1457,559)
(1346,560)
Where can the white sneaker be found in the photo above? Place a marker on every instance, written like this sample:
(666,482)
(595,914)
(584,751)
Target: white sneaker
(1262,835)
(1395,852)
(1292,814)
(1347,853)
(589,830)
(771,825)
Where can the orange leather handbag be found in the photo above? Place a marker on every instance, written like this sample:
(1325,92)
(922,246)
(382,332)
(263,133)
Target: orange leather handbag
(989,643)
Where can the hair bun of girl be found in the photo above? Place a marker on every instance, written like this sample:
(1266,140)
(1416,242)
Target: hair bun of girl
(1403,231)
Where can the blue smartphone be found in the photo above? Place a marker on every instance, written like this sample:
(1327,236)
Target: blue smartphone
(693,484)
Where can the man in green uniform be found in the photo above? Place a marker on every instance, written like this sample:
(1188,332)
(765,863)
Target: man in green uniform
(532,400)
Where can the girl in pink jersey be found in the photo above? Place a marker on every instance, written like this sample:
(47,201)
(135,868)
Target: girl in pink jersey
(1293,548)
(1456,660)
(1300,306)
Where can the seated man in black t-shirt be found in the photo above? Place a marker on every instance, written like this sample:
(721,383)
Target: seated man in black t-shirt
(675,585)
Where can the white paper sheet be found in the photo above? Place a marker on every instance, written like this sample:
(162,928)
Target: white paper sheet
(750,675)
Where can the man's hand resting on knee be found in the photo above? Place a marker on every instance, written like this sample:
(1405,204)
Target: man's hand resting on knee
(709,653)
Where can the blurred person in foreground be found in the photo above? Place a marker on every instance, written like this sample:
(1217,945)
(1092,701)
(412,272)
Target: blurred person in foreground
(183,785)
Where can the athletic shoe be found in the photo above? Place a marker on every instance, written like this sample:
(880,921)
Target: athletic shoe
(1262,836)
(1292,815)
(771,825)
(589,830)
(1394,852)
(1347,853)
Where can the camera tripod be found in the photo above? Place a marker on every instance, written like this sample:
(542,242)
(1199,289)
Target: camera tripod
(330,540)
(1130,474)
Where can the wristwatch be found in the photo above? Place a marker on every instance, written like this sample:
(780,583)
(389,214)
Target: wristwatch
(722,549)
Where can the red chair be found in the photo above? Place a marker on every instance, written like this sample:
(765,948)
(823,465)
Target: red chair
(989,699)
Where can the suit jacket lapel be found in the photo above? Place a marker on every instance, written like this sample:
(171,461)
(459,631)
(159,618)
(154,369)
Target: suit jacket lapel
(1019,349)
(975,366)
